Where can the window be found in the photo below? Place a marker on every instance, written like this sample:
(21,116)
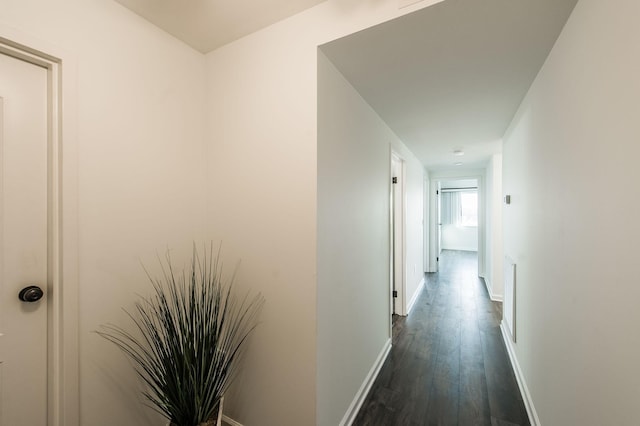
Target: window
(468,209)
(459,208)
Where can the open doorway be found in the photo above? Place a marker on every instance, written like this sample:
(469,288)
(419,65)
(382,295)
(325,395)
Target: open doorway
(458,213)
(449,227)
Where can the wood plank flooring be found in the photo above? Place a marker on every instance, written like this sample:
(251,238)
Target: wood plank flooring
(448,364)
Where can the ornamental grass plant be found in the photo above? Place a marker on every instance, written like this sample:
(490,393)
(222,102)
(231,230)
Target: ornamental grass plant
(189,338)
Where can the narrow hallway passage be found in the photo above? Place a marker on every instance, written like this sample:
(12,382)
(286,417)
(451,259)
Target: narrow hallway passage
(448,364)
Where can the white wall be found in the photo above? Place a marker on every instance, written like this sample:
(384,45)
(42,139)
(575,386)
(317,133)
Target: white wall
(140,134)
(353,241)
(262,205)
(263,126)
(456,237)
(495,255)
(570,166)
(353,238)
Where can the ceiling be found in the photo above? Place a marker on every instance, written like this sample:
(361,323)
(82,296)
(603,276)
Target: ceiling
(451,76)
(446,77)
(208,24)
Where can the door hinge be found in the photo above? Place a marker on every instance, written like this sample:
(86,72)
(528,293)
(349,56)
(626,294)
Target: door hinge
(437,259)
(437,192)
(395,293)
(394,180)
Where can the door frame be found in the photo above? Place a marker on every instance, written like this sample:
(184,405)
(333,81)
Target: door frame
(434,217)
(398,261)
(436,178)
(62,250)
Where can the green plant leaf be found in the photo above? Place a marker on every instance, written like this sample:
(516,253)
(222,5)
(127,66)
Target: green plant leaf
(190,337)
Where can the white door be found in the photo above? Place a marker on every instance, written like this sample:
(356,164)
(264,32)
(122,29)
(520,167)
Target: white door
(439,218)
(397,217)
(23,242)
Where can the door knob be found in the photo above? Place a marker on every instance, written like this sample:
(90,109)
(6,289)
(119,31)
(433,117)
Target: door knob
(33,293)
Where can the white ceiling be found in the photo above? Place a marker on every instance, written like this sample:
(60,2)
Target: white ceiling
(449,76)
(452,75)
(208,24)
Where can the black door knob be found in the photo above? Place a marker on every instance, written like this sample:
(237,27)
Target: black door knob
(33,293)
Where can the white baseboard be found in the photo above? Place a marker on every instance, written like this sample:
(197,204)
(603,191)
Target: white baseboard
(353,409)
(230,421)
(522,384)
(415,296)
(358,400)
(493,297)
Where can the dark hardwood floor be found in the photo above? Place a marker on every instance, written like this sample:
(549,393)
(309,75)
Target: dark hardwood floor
(448,364)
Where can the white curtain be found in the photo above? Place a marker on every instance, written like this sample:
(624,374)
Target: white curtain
(450,208)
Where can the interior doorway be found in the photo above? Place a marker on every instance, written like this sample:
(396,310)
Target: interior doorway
(467,233)
(458,215)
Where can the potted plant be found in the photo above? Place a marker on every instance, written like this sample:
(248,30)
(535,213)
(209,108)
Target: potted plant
(189,337)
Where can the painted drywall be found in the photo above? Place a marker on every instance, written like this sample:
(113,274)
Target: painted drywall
(570,166)
(456,237)
(494,252)
(140,135)
(353,241)
(354,148)
(262,202)
(414,216)
(262,205)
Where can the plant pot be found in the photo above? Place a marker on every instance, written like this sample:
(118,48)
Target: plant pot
(215,420)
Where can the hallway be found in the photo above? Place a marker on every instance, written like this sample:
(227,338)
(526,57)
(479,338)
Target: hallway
(448,364)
